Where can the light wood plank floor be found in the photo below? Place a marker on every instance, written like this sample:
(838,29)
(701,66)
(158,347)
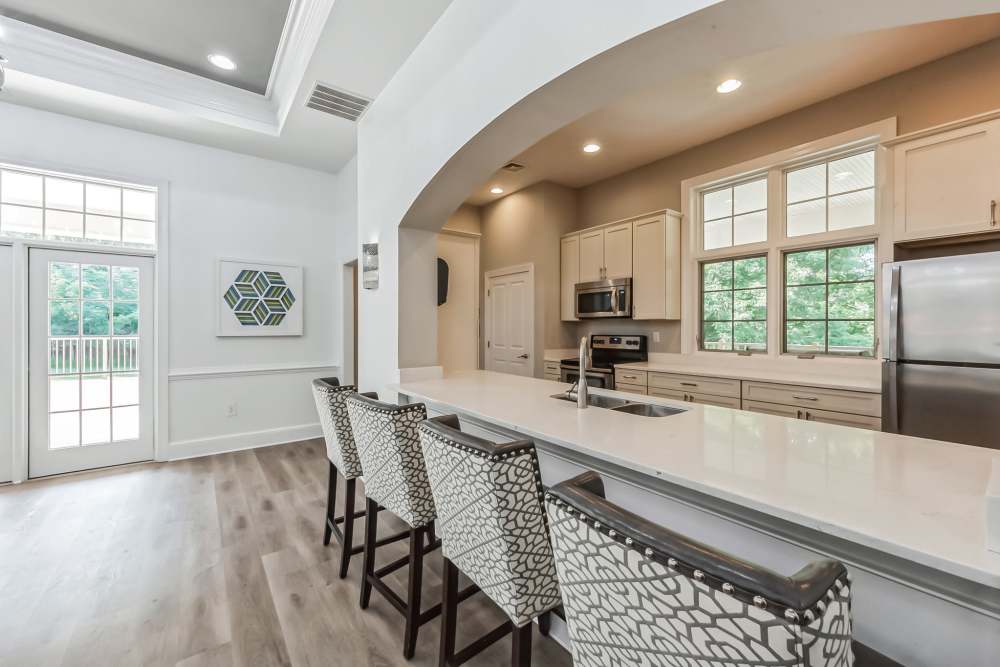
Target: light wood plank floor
(211,561)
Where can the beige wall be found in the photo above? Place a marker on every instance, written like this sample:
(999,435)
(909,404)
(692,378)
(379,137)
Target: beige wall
(526,227)
(957,86)
(960,85)
(466,218)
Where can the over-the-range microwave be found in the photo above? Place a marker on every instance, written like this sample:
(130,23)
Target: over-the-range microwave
(604,298)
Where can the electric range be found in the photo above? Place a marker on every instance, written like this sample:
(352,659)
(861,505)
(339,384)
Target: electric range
(606,350)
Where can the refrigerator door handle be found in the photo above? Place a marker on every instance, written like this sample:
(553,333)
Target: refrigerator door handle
(892,335)
(890,398)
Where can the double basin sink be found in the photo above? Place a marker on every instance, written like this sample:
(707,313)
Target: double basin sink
(623,405)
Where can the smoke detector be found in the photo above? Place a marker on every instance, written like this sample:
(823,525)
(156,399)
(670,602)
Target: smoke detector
(3,73)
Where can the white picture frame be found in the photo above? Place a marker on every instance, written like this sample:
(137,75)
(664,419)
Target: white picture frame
(258,298)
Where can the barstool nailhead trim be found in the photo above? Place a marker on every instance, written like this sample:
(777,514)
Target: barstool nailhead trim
(791,615)
(699,575)
(759,602)
(672,563)
(727,587)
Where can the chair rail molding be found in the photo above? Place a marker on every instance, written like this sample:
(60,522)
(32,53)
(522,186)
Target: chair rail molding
(73,62)
(213,372)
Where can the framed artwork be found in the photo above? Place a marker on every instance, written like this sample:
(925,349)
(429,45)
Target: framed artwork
(258,299)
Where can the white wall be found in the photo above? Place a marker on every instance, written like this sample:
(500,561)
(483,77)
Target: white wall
(221,204)
(6,363)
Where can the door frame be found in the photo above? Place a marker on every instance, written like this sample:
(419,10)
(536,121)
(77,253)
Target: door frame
(478,333)
(161,310)
(487,319)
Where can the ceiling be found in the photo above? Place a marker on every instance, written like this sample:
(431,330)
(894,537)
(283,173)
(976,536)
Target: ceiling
(360,47)
(656,123)
(179,34)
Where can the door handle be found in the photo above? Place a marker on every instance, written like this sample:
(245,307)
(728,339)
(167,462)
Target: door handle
(522,356)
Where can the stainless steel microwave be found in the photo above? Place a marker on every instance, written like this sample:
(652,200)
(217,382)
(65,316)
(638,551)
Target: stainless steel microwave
(604,298)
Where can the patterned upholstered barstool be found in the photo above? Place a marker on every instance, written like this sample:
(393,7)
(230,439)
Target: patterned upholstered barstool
(636,593)
(396,479)
(331,404)
(493,528)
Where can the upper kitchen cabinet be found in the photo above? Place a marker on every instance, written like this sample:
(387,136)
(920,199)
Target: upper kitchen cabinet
(591,255)
(569,262)
(618,251)
(947,182)
(656,270)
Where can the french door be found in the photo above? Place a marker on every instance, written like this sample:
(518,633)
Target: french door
(90,346)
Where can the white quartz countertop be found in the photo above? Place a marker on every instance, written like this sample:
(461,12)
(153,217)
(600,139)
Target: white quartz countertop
(815,377)
(922,500)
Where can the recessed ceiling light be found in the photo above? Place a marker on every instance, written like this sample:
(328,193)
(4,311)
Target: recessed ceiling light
(497,190)
(222,62)
(729,85)
(591,148)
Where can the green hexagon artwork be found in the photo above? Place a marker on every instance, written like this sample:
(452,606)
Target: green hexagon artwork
(259,298)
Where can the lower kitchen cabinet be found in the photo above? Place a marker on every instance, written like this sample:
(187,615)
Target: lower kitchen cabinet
(694,397)
(812,414)
(630,388)
(552,371)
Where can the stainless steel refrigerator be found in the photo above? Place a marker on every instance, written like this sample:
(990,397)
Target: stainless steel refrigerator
(941,352)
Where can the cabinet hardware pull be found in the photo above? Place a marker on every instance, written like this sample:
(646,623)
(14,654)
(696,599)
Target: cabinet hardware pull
(689,384)
(993,213)
(808,416)
(798,414)
(804,398)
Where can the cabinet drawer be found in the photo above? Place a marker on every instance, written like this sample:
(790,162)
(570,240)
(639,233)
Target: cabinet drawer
(844,419)
(773,409)
(836,400)
(695,384)
(630,388)
(628,376)
(694,397)
(552,367)
(552,376)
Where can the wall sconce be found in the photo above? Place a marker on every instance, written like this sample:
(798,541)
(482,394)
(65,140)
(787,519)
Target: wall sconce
(369,265)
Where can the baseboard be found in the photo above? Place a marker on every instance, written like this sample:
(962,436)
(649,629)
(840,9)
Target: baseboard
(220,444)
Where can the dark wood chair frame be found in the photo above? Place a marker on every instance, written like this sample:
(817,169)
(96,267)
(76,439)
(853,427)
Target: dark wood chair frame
(333,522)
(372,578)
(520,637)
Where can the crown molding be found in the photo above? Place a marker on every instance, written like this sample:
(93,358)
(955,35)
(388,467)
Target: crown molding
(56,57)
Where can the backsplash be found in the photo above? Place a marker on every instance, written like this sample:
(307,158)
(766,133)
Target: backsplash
(670,331)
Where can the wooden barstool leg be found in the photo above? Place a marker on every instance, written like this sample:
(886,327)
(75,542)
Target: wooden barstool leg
(413,592)
(371,528)
(348,545)
(545,623)
(449,612)
(331,504)
(521,646)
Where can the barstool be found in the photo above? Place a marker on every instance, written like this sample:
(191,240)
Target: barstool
(395,478)
(331,404)
(635,592)
(493,528)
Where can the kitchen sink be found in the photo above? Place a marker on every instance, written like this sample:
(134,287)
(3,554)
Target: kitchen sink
(648,409)
(623,405)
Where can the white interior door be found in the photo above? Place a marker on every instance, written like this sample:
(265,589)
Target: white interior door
(6,363)
(458,317)
(90,346)
(510,328)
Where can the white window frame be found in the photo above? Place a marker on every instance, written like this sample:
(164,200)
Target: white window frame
(778,243)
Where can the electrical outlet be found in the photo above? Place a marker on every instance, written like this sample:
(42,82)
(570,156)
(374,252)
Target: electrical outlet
(656,336)
(231,410)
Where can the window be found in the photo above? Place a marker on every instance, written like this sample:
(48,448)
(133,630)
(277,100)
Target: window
(45,205)
(735,215)
(832,195)
(830,300)
(734,304)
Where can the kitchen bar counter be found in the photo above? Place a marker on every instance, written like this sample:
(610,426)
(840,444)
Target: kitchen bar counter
(906,514)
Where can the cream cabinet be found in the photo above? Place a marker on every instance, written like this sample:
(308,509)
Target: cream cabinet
(695,397)
(947,183)
(618,251)
(552,371)
(569,263)
(591,255)
(656,268)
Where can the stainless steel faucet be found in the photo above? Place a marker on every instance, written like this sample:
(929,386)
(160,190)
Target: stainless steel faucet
(581,384)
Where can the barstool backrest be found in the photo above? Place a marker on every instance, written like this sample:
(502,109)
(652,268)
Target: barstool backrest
(331,404)
(393,465)
(490,516)
(637,593)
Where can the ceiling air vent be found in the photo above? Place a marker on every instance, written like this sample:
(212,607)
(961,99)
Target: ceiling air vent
(337,102)
(513,166)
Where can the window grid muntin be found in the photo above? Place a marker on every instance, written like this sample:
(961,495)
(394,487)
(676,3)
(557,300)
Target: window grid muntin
(826,296)
(825,161)
(732,311)
(731,186)
(83,212)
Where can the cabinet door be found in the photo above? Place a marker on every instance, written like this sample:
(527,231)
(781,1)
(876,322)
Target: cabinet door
(618,251)
(773,409)
(946,184)
(592,256)
(649,285)
(721,401)
(569,262)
